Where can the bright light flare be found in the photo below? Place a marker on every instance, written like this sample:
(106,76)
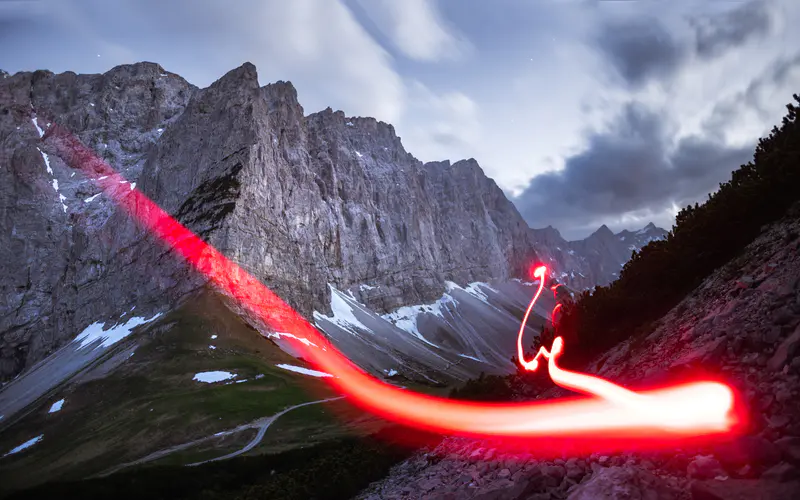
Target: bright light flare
(612,412)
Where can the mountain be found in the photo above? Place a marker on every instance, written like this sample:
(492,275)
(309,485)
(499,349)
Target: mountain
(299,201)
(595,260)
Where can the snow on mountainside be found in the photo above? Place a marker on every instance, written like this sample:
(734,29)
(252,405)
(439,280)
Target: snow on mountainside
(595,260)
(468,330)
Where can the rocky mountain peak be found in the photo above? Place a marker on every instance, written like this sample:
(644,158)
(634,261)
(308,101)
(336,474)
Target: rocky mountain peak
(595,260)
(602,234)
(281,91)
(438,164)
(139,69)
(243,77)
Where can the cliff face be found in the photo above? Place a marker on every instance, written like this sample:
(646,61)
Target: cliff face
(65,255)
(299,201)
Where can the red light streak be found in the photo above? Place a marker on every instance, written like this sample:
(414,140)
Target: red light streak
(695,409)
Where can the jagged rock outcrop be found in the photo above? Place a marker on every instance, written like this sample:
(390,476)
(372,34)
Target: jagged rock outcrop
(595,260)
(299,201)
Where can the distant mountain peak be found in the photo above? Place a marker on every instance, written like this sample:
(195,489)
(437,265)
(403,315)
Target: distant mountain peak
(603,232)
(595,260)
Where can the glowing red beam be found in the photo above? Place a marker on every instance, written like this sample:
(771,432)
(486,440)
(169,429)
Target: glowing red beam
(686,410)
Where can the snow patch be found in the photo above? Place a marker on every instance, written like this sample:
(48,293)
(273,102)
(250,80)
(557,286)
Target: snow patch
(304,371)
(212,347)
(56,406)
(472,358)
(91,198)
(25,445)
(390,373)
(363,287)
(474,290)
(359,154)
(95,332)
(91,104)
(405,318)
(213,337)
(212,377)
(350,124)
(278,335)
(342,312)
(38,128)
(46,162)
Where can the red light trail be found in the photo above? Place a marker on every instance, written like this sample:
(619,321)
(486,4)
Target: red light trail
(694,409)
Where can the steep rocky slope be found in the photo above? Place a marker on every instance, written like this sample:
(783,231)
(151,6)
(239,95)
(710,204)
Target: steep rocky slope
(299,201)
(741,325)
(595,260)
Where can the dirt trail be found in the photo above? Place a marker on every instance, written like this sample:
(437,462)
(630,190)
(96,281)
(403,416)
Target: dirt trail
(262,424)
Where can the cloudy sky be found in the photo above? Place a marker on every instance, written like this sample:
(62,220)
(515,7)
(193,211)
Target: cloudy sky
(583,112)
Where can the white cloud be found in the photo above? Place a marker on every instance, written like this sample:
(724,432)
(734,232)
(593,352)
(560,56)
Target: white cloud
(328,55)
(440,126)
(416,28)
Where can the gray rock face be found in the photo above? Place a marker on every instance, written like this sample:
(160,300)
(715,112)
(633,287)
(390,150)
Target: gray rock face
(595,260)
(299,201)
(62,250)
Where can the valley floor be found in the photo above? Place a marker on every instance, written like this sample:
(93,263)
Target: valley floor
(262,424)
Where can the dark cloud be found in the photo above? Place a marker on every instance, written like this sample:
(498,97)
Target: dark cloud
(640,50)
(448,139)
(720,33)
(644,49)
(627,169)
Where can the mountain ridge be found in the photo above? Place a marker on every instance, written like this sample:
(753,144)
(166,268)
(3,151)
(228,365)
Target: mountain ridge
(595,260)
(240,165)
